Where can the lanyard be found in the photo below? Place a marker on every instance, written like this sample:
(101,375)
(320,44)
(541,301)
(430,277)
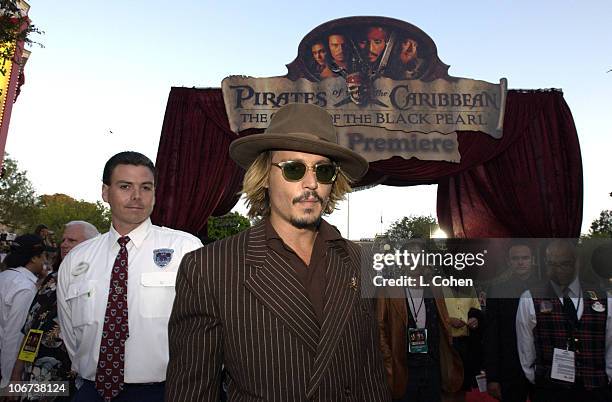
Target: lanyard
(571,327)
(416,311)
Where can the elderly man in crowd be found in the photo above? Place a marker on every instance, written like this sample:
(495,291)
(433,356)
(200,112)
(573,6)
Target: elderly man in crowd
(76,232)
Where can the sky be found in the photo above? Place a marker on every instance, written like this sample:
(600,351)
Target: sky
(109,66)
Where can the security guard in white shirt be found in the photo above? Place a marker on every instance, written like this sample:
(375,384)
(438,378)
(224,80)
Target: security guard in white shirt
(115,292)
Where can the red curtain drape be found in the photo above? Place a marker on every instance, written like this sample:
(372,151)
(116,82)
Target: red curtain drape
(195,175)
(528,183)
(475,148)
(533,188)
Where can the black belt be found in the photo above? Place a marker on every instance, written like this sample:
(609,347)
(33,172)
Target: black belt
(134,385)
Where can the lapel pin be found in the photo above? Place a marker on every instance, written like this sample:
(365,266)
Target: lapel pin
(598,307)
(353,283)
(545,306)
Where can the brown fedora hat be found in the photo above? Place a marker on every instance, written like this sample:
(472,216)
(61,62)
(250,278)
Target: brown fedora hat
(300,127)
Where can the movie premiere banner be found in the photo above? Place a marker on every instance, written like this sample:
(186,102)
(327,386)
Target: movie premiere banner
(384,86)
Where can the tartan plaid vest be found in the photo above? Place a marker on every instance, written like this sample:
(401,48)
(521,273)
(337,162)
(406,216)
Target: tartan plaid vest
(551,332)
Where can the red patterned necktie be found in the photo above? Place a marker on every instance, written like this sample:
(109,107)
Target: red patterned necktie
(109,375)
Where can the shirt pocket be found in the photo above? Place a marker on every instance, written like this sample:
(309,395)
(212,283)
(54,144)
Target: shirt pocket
(157,294)
(80,298)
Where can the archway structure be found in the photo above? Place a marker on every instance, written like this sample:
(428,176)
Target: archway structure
(524,183)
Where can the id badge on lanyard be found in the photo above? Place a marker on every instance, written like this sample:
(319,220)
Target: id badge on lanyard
(417,340)
(30,347)
(563,365)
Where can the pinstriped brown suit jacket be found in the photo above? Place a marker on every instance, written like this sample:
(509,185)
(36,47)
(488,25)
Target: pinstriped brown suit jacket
(239,304)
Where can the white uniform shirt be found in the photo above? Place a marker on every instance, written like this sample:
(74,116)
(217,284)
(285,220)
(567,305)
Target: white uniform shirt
(17,290)
(82,294)
(526,322)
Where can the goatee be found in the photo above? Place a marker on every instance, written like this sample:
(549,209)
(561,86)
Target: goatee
(306,223)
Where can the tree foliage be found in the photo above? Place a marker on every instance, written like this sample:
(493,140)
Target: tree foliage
(411,227)
(15,27)
(58,209)
(602,226)
(22,210)
(18,201)
(226,225)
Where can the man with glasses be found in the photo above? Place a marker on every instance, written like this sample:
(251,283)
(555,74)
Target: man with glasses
(279,306)
(564,333)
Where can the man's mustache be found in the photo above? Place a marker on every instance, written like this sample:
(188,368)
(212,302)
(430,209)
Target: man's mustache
(307,195)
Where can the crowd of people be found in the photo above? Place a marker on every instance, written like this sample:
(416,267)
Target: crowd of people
(277,313)
(29,305)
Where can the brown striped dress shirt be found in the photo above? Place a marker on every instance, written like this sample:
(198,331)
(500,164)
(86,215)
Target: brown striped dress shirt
(312,276)
(240,304)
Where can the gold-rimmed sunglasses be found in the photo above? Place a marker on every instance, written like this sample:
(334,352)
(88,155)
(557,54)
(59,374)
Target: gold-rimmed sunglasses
(325,172)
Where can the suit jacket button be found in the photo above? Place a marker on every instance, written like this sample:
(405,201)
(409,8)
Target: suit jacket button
(347,391)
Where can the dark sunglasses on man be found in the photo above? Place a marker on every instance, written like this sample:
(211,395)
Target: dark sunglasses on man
(325,172)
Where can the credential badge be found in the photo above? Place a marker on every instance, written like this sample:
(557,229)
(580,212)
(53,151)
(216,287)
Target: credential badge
(80,268)
(162,256)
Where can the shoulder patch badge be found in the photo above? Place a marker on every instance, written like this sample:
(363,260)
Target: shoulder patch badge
(162,256)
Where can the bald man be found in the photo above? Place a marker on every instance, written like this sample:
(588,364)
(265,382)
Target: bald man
(564,332)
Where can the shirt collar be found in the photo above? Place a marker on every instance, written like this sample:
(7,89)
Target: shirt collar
(326,231)
(28,274)
(574,288)
(137,236)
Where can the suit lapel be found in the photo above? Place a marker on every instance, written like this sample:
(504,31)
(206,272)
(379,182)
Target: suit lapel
(275,284)
(341,294)
(396,298)
(399,305)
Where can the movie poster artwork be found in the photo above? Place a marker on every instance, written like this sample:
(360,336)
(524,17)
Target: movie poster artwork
(362,49)
(384,85)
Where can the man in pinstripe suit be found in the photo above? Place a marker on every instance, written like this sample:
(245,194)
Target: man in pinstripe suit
(279,305)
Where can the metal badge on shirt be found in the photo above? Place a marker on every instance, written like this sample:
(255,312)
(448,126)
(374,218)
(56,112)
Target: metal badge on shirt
(162,256)
(598,307)
(80,268)
(417,340)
